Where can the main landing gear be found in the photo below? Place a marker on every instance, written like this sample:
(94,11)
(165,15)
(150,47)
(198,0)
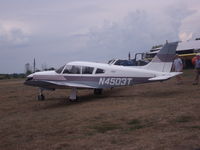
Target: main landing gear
(41,96)
(72,96)
(98,91)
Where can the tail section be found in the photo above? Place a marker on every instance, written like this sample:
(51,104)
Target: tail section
(162,62)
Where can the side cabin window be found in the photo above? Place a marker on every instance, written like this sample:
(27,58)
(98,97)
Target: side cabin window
(72,69)
(87,70)
(60,69)
(99,71)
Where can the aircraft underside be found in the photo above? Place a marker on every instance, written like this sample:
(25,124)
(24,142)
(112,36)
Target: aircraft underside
(74,83)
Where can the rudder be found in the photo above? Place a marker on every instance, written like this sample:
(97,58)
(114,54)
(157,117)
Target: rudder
(162,62)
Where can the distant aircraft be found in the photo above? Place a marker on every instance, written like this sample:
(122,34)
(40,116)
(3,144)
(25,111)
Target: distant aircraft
(98,76)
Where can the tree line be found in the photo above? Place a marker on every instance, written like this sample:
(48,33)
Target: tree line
(12,76)
(28,70)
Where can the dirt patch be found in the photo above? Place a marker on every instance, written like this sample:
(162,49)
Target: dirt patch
(149,116)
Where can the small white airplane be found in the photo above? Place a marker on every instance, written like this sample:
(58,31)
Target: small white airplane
(98,76)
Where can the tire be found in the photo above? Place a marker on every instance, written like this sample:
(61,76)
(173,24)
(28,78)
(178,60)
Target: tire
(98,91)
(41,97)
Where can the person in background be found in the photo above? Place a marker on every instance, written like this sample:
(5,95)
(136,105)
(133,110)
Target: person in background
(197,69)
(178,67)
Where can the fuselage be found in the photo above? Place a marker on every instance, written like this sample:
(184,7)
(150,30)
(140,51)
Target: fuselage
(98,76)
(91,75)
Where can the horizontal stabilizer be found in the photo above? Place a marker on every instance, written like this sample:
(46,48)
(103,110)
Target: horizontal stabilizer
(165,76)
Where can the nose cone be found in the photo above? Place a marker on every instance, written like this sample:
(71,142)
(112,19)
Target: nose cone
(30,75)
(29,78)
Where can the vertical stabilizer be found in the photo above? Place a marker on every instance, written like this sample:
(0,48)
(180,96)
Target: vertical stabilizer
(162,62)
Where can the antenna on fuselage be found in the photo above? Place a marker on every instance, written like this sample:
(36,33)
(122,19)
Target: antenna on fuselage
(129,56)
(34,65)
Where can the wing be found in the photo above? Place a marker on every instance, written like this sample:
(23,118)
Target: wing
(69,84)
(165,76)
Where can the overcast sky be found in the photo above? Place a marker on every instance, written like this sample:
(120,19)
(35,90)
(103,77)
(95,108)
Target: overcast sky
(56,32)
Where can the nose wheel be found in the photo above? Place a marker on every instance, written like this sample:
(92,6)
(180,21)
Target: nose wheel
(41,96)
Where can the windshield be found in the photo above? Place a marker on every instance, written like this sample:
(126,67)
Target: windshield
(72,69)
(60,69)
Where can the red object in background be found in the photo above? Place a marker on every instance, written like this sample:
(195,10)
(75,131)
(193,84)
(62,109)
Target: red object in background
(194,60)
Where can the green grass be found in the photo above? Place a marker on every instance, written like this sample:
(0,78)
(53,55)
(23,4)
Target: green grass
(135,124)
(136,127)
(195,127)
(183,119)
(188,73)
(105,127)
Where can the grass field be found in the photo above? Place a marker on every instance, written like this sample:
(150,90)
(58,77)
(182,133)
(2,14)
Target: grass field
(156,116)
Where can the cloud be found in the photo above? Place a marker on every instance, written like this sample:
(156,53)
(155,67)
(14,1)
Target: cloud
(99,30)
(190,27)
(183,36)
(13,33)
(137,32)
(183,16)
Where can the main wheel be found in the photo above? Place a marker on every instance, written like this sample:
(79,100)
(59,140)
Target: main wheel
(74,100)
(98,91)
(41,97)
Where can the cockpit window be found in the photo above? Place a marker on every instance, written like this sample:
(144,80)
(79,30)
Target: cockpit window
(72,69)
(60,69)
(87,70)
(98,71)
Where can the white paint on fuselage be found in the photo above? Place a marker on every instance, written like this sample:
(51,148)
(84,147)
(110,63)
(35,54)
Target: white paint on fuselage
(110,70)
(42,73)
(118,71)
(46,75)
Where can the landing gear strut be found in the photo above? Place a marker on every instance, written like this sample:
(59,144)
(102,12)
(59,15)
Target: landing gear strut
(41,97)
(72,96)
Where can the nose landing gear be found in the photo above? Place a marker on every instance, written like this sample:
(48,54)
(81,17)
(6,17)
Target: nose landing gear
(41,96)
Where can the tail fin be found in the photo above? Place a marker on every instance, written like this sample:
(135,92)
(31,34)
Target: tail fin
(162,62)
